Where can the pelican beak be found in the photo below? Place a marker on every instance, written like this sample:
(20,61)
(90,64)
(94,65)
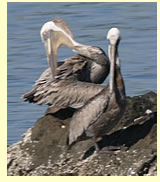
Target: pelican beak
(51,51)
(52,54)
(112,67)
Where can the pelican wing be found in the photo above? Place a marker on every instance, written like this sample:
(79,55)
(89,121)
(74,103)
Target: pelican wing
(71,67)
(87,116)
(65,70)
(66,93)
(48,91)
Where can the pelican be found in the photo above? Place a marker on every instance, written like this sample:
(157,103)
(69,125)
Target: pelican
(58,83)
(101,113)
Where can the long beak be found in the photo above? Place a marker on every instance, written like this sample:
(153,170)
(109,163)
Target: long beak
(51,52)
(112,52)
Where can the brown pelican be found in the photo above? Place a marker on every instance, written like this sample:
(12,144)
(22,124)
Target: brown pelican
(55,84)
(101,113)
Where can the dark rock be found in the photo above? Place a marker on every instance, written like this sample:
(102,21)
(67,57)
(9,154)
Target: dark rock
(43,151)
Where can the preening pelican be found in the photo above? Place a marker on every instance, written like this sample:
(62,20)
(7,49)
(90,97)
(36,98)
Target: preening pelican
(63,85)
(101,113)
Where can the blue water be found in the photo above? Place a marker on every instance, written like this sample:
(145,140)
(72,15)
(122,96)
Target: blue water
(89,23)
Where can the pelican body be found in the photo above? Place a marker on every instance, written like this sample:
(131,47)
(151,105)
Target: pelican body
(102,112)
(58,83)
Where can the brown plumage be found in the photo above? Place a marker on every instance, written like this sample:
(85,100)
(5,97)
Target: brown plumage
(102,112)
(61,86)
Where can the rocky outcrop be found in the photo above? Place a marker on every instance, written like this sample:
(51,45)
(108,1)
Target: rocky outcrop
(43,151)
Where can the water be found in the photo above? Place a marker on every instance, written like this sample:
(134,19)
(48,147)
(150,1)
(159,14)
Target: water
(89,23)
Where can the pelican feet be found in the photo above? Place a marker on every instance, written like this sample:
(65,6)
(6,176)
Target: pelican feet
(110,150)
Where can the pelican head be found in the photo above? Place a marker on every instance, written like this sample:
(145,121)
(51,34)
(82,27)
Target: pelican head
(113,37)
(54,34)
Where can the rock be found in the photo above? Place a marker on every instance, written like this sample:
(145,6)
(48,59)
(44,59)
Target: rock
(43,151)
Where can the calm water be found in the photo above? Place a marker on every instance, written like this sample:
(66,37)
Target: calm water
(89,23)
